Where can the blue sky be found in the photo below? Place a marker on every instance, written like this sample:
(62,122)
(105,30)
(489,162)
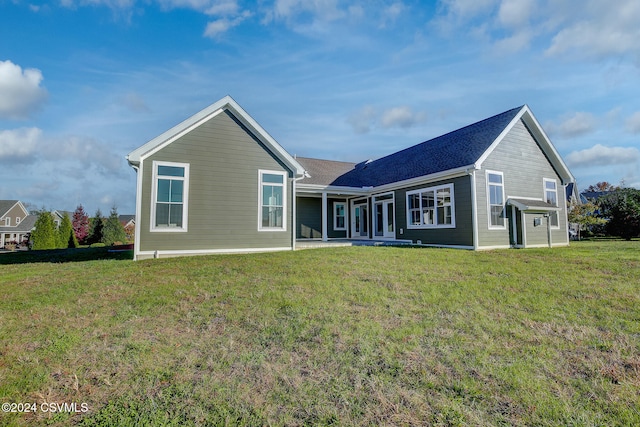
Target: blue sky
(84,82)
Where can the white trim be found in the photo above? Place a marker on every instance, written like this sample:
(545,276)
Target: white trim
(544,194)
(504,200)
(7,221)
(435,245)
(162,254)
(325,219)
(474,208)
(546,245)
(489,248)
(335,217)
(18,219)
(434,189)
(154,197)
(285,178)
(374,219)
(226,103)
(136,233)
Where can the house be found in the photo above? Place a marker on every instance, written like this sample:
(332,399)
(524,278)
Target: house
(15,222)
(218,182)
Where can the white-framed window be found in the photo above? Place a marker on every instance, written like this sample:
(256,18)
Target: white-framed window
(272,203)
(495,200)
(551,197)
(431,207)
(17,220)
(170,194)
(7,222)
(339,216)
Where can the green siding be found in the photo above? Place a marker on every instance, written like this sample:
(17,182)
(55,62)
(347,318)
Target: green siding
(461,235)
(309,218)
(524,165)
(224,161)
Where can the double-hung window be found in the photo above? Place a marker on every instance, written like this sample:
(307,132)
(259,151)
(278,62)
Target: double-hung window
(431,207)
(272,203)
(495,190)
(551,197)
(339,216)
(170,195)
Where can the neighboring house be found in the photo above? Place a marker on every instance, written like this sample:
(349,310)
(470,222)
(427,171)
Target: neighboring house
(218,182)
(15,222)
(129,224)
(127,220)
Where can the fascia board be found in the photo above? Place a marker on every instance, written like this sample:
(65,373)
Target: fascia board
(226,103)
(541,137)
(175,132)
(547,146)
(451,173)
(500,137)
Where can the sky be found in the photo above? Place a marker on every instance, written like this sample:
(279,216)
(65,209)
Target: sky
(85,82)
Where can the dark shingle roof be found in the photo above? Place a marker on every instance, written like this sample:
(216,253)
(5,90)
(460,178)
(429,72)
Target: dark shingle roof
(453,150)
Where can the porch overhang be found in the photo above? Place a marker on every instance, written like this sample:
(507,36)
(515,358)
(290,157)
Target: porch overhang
(532,205)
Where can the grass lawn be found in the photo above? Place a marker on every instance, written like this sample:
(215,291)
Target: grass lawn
(342,336)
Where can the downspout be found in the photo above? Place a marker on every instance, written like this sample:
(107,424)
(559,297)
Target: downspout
(548,217)
(136,243)
(474,208)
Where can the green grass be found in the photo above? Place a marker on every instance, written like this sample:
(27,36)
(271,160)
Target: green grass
(341,336)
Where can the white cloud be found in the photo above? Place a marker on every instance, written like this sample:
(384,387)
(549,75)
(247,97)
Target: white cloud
(368,117)
(515,13)
(600,29)
(19,145)
(20,91)
(222,25)
(362,121)
(579,123)
(403,117)
(633,123)
(599,155)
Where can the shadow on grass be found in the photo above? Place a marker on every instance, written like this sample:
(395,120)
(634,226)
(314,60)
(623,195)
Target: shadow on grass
(65,255)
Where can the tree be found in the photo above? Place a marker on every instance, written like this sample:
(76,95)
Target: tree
(80,224)
(602,186)
(585,215)
(113,230)
(95,228)
(65,236)
(622,207)
(44,235)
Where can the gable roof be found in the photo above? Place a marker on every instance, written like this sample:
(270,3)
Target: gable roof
(458,149)
(7,205)
(25,226)
(464,148)
(225,104)
(323,172)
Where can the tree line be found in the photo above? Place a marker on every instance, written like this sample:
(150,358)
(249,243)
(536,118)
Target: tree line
(77,230)
(614,212)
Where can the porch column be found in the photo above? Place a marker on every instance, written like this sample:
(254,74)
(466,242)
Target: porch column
(325,230)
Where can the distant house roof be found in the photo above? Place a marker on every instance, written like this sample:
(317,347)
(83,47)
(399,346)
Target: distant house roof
(594,195)
(25,226)
(6,205)
(466,147)
(125,219)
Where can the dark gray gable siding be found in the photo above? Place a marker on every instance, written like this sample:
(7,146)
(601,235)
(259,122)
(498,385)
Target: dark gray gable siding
(456,149)
(524,166)
(223,191)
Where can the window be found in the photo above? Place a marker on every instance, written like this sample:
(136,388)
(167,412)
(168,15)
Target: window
(495,190)
(170,194)
(7,222)
(431,207)
(17,220)
(551,197)
(339,216)
(272,204)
